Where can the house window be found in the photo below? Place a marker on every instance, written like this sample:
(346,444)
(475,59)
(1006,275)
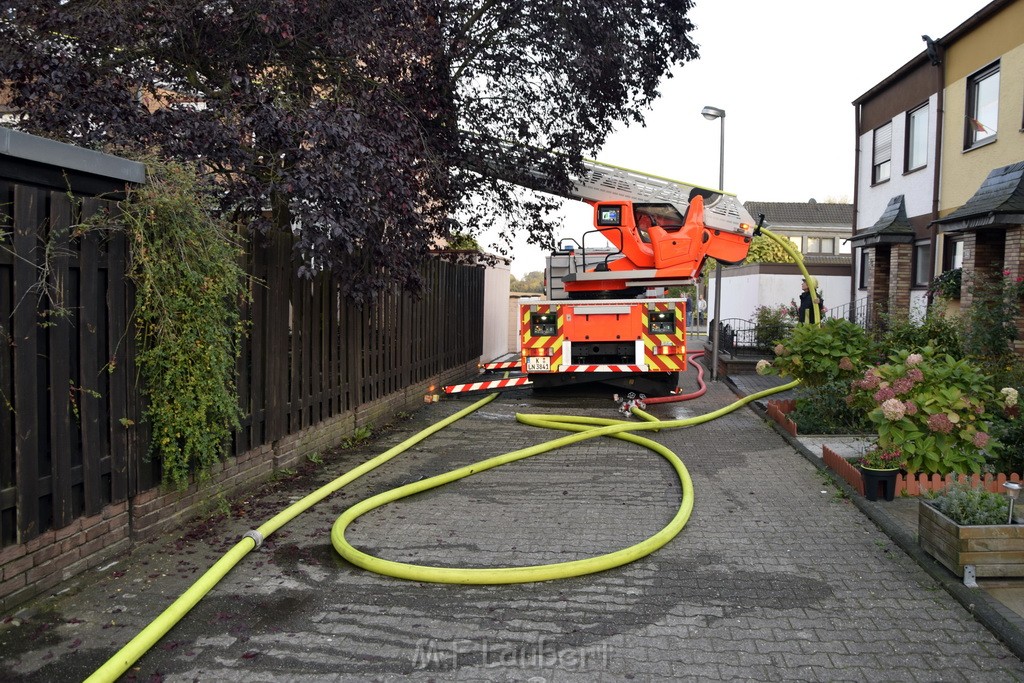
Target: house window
(821,245)
(797,242)
(954,255)
(922,274)
(882,154)
(982,118)
(917,139)
(862,274)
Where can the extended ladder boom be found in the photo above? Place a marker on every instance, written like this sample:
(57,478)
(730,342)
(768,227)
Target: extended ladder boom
(604,182)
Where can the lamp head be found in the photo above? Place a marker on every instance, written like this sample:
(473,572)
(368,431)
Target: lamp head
(712,113)
(1012,489)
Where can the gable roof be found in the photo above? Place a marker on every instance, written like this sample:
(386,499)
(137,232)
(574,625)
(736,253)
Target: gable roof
(799,214)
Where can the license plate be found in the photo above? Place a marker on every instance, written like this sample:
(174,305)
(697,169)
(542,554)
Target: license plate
(538,364)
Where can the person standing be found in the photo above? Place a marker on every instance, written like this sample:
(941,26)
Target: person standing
(689,309)
(702,308)
(805,312)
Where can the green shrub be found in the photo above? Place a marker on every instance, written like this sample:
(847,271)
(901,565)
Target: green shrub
(834,351)
(771,325)
(968,506)
(942,333)
(947,284)
(824,410)
(1008,429)
(990,322)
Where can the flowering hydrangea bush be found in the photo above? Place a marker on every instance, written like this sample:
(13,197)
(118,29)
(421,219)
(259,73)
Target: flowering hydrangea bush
(820,354)
(932,409)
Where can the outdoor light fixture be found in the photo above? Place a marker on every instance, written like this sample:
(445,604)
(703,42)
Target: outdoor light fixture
(1012,491)
(712,113)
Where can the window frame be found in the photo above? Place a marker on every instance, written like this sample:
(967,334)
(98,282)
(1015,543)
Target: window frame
(908,141)
(816,244)
(971,138)
(877,164)
(862,274)
(919,259)
(949,253)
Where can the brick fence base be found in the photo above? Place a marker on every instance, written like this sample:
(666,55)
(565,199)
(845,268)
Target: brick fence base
(31,568)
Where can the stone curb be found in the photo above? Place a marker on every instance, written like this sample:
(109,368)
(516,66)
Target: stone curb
(996,617)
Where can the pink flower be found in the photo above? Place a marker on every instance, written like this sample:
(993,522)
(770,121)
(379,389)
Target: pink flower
(902,385)
(915,375)
(883,395)
(980,439)
(845,363)
(893,409)
(910,407)
(940,422)
(914,359)
(779,349)
(870,381)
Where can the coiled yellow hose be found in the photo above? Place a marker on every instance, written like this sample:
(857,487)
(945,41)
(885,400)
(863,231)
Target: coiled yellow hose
(584,428)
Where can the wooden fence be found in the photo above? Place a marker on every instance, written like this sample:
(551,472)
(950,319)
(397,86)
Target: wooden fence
(72,438)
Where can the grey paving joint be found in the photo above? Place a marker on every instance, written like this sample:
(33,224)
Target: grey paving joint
(256,536)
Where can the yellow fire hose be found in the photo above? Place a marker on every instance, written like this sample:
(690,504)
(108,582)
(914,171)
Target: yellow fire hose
(584,428)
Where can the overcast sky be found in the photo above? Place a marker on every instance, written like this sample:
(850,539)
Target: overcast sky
(786,73)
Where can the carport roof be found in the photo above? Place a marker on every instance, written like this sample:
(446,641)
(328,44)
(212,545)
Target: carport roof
(892,227)
(999,202)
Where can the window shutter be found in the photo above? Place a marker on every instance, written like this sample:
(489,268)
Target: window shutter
(883,144)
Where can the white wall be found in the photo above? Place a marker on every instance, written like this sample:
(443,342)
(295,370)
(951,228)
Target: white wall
(916,187)
(496,287)
(918,305)
(744,292)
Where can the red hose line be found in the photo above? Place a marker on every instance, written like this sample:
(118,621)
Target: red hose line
(685,397)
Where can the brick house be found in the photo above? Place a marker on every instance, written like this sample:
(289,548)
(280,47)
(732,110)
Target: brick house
(940,143)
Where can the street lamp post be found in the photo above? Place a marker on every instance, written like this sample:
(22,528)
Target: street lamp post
(712,113)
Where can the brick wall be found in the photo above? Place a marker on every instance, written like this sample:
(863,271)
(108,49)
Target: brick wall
(900,277)
(32,568)
(878,278)
(987,253)
(1012,262)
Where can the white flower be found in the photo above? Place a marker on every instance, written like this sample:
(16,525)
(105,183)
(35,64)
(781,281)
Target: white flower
(1009,396)
(914,359)
(762,367)
(893,409)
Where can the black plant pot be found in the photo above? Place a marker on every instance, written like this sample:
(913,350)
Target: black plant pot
(879,483)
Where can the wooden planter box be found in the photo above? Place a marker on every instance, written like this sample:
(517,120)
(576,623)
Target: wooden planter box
(993,549)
